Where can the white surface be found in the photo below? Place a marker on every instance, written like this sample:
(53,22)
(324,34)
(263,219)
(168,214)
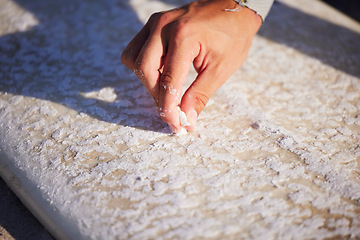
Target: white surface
(276,153)
(183,118)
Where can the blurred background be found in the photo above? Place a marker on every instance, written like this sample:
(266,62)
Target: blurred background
(348,7)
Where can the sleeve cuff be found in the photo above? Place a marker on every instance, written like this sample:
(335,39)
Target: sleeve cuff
(261,7)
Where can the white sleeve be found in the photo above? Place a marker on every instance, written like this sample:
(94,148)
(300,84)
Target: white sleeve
(261,7)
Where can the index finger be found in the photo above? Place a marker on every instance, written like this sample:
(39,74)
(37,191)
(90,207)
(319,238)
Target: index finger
(132,50)
(178,60)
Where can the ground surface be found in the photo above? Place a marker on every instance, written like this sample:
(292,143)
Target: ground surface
(16,222)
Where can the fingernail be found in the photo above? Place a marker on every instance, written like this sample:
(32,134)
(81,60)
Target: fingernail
(192,118)
(173,128)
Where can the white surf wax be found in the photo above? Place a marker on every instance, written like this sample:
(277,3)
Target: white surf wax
(183,118)
(113,167)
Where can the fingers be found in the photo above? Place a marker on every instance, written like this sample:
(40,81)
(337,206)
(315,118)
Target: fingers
(161,55)
(199,93)
(132,50)
(145,53)
(170,90)
(148,64)
(180,55)
(163,80)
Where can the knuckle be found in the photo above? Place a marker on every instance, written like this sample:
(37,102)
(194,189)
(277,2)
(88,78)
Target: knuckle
(126,57)
(200,101)
(181,29)
(139,70)
(166,79)
(154,17)
(161,18)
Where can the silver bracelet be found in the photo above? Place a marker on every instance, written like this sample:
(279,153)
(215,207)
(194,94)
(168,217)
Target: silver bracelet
(241,2)
(261,7)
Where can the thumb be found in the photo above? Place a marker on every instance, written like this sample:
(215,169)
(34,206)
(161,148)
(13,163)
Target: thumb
(198,94)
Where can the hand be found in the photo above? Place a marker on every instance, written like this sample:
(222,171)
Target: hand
(201,33)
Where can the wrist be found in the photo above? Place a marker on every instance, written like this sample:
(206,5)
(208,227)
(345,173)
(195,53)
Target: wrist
(260,7)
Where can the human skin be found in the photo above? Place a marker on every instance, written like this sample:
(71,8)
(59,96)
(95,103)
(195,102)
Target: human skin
(201,33)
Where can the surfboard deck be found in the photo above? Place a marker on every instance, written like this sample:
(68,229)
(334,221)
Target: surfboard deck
(276,153)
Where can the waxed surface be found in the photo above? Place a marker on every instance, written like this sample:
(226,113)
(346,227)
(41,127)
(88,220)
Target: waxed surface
(276,153)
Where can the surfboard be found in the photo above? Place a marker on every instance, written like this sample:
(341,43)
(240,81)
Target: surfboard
(276,152)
